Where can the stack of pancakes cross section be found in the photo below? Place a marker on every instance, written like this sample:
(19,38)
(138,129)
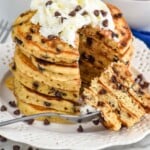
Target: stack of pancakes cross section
(118,97)
(49,73)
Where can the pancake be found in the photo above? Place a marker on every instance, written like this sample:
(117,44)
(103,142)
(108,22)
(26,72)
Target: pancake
(31,97)
(24,65)
(42,88)
(28,109)
(112,89)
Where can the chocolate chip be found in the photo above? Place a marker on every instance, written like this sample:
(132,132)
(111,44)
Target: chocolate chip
(35,85)
(48,3)
(114,35)
(123,44)
(62,19)
(16,147)
(58,94)
(89,58)
(114,79)
(28,37)
(43,40)
(46,122)
(57,13)
(52,37)
(29,121)
(89,41)
(105,23)
(96,13)
(30,148)
(104,13)
(72,13)
(65,108)
(84,13)
(2,139)
(80,129)
(117,111)
(117,16)
(102,91)
(12,104)
(32,30)
(47,104)
(78,8)
(101,104)
(120,86)
(144,85)
(13,66)
(17,112)
(139,78)
(96,122)
(100,36)
(3,108)
(115,59)
(18,41)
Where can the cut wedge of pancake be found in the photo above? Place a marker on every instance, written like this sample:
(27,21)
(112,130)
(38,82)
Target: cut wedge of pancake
(112,89)
(34,98)
(24,65)
(28,109)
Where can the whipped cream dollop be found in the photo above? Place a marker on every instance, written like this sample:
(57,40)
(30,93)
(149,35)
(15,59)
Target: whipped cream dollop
(63,18)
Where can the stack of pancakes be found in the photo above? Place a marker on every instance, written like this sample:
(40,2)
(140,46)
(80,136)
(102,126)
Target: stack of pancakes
(121,101)
(49,74)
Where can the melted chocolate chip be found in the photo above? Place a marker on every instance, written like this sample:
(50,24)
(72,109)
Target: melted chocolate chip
(101,104)
(13,66)
(80,129)
(2,139)
(16,147)
(48,3)
(47,104)
(89,58)
(100,36)
(114,35)
(46,122)
(105,23)
(72,13)
(78,8)
(57,13)
(96,13)
(35,85)
(12,104)
(29,37)
(52,37)
(96,122)
(17,112)
(115,59)
(102,92)
(139,78)
(32,30)
(84,13)
(18,41)
(89,41)
(3,108)
(117,16)
(104,13)
(114,79)
(58,94)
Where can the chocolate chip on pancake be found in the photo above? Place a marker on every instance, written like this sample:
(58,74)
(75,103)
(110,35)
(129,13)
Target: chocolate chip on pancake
(47,104)
(12,104)
(3,108)
(89,41)
(17,40)
(57,13)
(29,37)
(35,85)
(48,3)
(105,23)
(101,104)
(102,91)
(104,13)
(78,8)
(84,13)
(72,13)
(117,16)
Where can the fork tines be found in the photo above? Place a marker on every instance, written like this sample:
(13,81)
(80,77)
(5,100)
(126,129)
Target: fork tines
(5,28)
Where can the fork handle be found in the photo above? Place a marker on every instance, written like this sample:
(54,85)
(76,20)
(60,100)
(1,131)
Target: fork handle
(71,118)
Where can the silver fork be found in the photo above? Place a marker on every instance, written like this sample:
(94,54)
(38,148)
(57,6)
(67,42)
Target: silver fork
(5,29)
(71,118)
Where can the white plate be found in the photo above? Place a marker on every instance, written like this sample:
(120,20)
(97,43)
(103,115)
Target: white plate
(65,136)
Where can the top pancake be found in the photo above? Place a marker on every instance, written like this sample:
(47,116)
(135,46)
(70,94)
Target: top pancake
(55,50)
